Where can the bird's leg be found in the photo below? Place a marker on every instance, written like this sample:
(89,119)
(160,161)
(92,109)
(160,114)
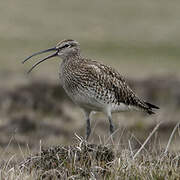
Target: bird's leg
(88,125)
(111,126)
(88,129)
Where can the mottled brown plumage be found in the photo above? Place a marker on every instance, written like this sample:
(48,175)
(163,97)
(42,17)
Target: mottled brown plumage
(93,85)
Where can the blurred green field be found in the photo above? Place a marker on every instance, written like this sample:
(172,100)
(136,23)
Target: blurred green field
(138,37)
(141,39)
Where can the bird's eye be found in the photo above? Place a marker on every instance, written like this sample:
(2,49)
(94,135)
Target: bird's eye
(66,45)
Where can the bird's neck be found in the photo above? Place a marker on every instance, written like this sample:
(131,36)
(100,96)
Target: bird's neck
(69,62)
(70,57)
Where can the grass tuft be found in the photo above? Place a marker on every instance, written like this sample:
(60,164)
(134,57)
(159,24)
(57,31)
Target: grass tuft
(90,161)
(82,160)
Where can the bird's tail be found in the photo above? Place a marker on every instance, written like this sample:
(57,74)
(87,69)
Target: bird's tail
(150,108)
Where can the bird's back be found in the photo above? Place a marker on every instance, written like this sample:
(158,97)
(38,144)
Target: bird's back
(97,86)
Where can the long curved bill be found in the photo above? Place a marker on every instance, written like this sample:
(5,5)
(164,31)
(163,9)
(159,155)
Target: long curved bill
(41,52)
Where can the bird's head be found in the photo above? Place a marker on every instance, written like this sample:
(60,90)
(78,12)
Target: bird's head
(63,49)
(67,48)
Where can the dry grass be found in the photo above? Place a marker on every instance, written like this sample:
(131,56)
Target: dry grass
(91,161)
(137,153)
(142,151)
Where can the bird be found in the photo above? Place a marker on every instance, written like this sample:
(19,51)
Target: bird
(92,85)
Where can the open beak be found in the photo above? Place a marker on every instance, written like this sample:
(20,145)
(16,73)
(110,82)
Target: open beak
(41,52)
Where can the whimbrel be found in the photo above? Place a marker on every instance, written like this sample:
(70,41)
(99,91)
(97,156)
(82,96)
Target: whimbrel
(92,85)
